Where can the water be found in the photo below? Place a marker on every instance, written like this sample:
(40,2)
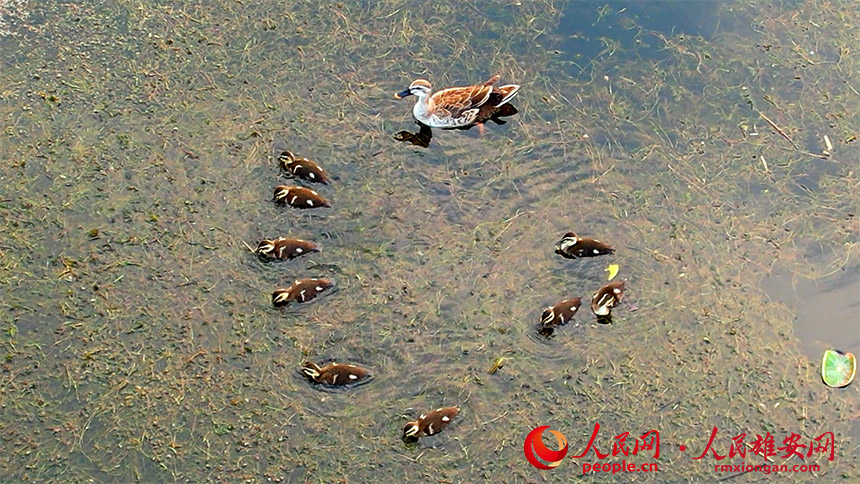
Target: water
(826,309)
(141,144)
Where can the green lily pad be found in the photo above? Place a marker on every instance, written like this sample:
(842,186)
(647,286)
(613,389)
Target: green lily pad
(837,368)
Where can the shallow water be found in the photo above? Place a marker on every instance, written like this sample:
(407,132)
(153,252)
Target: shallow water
(141,142)
(826,309)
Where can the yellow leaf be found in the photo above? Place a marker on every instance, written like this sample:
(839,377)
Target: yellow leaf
(612,270)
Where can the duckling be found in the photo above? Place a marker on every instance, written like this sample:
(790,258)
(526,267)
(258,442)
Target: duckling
(572,246)
(285,248)
(430,423)
(300,197)
(335,374)
(561,313)
(606,298)
(303,168)
(302,290)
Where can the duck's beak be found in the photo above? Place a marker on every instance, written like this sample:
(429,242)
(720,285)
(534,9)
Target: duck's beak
(403,94)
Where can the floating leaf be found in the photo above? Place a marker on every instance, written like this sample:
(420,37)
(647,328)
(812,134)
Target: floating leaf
(837,368)
(612,269)
(497,364)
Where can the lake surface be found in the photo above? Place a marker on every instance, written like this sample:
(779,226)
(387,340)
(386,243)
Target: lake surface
(140,144)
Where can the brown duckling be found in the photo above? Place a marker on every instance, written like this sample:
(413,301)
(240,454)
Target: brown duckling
(572,246)
(302,290)
(335,374)
(285,248)
(560,313)
(607,297)
(303,168)
(430,423)
(300,197)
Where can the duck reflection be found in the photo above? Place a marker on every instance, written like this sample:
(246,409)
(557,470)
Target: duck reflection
(425,133)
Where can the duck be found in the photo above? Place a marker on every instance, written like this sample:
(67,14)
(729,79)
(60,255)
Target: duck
(572,246)
(606,298)
(560,313)
(335,374)
(299,197)
(460,107)
(285,248)
(301,291)
(430,423)
(303,168)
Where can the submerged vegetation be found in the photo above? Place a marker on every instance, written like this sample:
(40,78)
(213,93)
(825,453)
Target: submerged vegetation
(140,142)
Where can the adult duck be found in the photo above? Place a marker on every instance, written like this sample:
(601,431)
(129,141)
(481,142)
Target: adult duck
(460,107)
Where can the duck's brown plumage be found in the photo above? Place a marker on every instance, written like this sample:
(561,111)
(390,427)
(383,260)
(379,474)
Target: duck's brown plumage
(285,248)
(299,197)
(303,168)
(560,313)
(430,423)
(301,290)
(606,298)
(572,246)
(335,374)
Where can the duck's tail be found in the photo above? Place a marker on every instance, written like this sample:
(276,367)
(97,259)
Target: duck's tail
(492,80)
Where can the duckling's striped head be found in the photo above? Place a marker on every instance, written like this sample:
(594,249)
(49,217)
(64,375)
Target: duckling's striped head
(265,246)
(311,370)
(410,430)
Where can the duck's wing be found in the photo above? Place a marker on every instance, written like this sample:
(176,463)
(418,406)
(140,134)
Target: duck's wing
(458,100)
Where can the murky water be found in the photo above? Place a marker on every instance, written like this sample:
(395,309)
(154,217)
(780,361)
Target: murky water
(140,144)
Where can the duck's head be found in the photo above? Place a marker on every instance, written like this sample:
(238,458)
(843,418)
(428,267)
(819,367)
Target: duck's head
(311,370)
(567,241)
(419,87)
(286,156)
(265,246)
(547,317)
(281,193)
(410,430)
